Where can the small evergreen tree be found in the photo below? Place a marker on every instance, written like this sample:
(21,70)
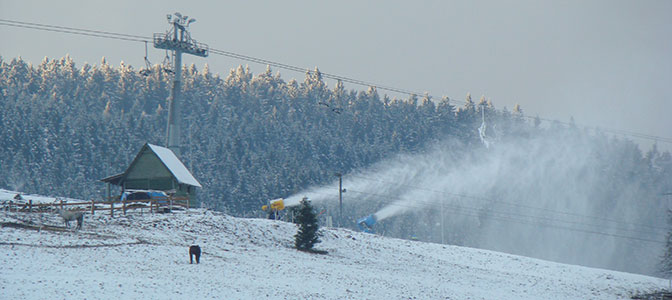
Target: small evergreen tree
(307,235)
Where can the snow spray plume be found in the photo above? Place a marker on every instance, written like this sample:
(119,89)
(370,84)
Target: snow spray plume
(558,196)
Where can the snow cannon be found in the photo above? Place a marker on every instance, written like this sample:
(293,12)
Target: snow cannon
(274,205)
(366,224)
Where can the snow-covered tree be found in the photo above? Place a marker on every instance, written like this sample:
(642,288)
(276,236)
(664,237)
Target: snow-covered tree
(308,233)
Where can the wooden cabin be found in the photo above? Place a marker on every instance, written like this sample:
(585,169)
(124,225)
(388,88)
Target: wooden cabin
(156,168)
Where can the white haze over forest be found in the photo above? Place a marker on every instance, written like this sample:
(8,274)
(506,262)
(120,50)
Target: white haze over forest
(552,196)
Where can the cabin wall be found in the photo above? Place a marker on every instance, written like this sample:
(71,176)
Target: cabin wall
(161,184)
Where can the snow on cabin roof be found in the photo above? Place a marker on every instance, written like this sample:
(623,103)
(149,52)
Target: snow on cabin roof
(174,165)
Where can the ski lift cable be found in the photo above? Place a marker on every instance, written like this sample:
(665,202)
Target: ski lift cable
(299,69)
(69,30)
(137,38)
(74,29)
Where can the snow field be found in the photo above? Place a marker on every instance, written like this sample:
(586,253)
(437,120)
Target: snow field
(146,257)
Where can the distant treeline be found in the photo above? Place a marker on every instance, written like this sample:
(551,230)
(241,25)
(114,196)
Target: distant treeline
(247,138)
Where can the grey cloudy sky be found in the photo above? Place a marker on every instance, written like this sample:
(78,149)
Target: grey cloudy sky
(606,63)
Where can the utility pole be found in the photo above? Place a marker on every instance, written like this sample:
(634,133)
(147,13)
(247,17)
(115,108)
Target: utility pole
(178,40)
(443,240)
(669,211)
(340,198)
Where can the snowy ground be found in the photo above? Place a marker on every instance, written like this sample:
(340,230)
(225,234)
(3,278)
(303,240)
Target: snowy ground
(146,257)
(7,195)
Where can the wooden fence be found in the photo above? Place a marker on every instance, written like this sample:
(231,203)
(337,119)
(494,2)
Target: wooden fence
(154,205)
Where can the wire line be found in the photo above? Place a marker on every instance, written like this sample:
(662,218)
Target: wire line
(137,38)
(490,200)
(474,212)
(91,33)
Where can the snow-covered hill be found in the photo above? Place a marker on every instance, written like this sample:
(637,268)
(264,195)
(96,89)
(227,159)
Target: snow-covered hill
(146,257)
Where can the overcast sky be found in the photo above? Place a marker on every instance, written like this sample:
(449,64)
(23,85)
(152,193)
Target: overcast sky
(606,63)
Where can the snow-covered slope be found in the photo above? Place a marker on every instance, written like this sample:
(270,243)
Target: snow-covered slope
(146,257)
(7,195)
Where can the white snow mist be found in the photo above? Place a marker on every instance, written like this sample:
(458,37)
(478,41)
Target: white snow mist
(548,197)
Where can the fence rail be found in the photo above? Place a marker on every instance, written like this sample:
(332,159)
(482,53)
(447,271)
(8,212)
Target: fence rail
(154,205)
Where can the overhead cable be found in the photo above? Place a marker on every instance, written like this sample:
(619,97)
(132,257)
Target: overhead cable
(142,39)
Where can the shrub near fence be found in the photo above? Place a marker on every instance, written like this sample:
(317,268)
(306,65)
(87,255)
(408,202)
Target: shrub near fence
(154,205)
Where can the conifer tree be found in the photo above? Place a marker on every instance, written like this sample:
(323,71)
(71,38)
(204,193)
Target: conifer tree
(307,235)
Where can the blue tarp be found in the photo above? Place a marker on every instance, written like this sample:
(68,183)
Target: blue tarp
(366,224)
(144,195)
